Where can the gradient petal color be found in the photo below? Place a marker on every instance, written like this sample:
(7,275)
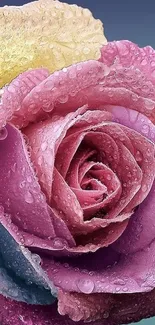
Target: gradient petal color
(117,100)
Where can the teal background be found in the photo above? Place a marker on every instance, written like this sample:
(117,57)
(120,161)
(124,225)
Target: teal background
(132,20)
(150,321)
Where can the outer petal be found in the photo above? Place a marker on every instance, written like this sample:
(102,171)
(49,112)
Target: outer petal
(21,276)
(141,228)
(24,203)
(95,84)
(105,271)
(131,308)
(12,96)
(126,54)
(21,195)
(102,309)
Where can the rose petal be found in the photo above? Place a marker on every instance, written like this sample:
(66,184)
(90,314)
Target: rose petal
(125,53)
(131,308)
(133,120)
(57,35)
(105,271)
(22,277)
(13,95)
(103,309)
(96,84)
(44,139)
(21,195)
(141,228)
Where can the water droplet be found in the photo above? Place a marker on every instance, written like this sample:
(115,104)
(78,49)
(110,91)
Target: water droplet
(36,258)
(118,289)
(22,184)
(44,146)
(149,105)
(119,282)
(106,315)
(125,289)
(29,179)
(14,167)
(3,133)
(59,243)
(85,285)
(49,84)
(144,188)
(63,99)
(29,241)
(64,70)
(144,62)
(145,129)
(13,292)
(28,198)
(86,50)
(138,156)
(48,107)
(109,177)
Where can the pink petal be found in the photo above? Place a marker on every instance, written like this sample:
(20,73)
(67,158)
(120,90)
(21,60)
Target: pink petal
(44,139)
(14,94)
(106,271)
(106,309)
(126,54)
(21,195)
(133,120)
(141,228)
(95,84)
(131,308)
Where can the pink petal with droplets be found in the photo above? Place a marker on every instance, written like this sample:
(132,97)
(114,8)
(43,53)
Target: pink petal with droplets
(106,271)
(44,139)
(96,84)
(21,196)
(14,94)
(131,308)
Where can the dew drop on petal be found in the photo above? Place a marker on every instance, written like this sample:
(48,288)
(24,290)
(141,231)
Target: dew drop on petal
(14,167)
(63,99)
(138,156)
(44,146)
(36,258)
(106,315)
(3,133)
(85,285)
(22,184)
(149,105)
(28,197)
(144,188)
(118,289)
(59,243)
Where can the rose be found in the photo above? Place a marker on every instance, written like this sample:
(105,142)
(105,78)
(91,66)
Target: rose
(77,168)
(96,161)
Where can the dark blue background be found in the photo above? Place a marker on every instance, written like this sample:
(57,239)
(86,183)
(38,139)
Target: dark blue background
(132,20)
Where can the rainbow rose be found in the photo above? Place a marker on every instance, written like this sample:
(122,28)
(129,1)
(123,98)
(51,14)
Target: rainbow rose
(77,170)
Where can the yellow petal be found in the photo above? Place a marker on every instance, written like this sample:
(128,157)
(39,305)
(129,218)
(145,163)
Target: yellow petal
(46,33)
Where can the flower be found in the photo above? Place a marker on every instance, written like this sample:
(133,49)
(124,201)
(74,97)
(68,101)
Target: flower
(77,201)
